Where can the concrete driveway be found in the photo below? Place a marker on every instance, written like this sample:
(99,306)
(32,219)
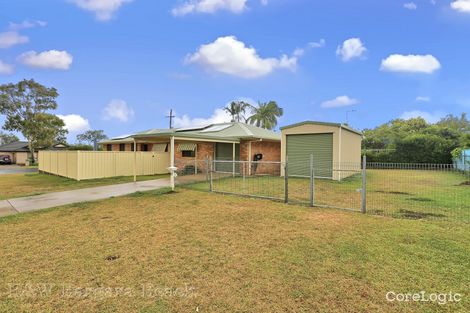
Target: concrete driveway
(15,169)
(53,199)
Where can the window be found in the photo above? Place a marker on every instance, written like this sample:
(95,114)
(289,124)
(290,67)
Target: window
(188,153)
(144,147)
(122,147)
(133,147)
(109,147)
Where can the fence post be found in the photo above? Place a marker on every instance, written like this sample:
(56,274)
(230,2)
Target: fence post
(364,185)
(312,182)
(286,183)
(78,165)
(211,187)
(207,168)
(243,169)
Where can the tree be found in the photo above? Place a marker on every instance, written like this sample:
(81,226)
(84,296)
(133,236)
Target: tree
(26,105)
(416,141)
(458,123)
(92,137)
(6,138)
(80,147)
(237,109)
(266,115)
(425,148)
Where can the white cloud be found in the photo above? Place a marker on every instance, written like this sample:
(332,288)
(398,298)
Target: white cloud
(6,69)
(219,116)
(52,59)
(26,24)
(264,2)
(11,38)
(230,56)
(461,6)
(119,110)
(350,49)
(103,9)
(429,117)
(75,123)
(210,6)
(341,101)
(410,6)
(411,63)
(317,44)
(423,99)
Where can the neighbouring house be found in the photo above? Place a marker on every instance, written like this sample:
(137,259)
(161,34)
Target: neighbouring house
(223,142)
(335,148)
(19,151)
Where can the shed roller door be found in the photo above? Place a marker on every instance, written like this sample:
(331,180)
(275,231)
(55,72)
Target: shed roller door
(299,149)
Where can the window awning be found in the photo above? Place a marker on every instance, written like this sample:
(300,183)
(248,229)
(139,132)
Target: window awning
(159,147)
(187,146)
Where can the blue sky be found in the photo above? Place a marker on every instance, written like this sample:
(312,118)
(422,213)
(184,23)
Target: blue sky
(120,65)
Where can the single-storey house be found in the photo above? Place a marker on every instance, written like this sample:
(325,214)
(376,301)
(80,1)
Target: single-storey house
(225,142)
(336,149)
(18,152)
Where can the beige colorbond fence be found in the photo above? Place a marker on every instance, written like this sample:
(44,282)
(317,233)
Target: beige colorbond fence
(81,165)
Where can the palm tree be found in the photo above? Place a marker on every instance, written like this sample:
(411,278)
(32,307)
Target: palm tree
(266,115)
(237,110)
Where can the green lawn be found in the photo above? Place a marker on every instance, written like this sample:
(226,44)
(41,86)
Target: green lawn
(194,251)
(22,185)
(399,193)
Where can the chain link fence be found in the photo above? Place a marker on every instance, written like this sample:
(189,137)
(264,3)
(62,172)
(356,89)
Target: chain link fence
(400,190)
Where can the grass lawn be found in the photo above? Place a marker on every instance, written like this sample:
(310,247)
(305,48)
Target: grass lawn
(225,254)
(399,193)
(22,185)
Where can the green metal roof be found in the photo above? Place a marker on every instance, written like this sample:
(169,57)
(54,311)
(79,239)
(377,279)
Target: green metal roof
(235,131)
(322,123)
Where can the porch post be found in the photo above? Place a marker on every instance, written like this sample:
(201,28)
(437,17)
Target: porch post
(249,158)
(135,160)
(195,160)
(233,158)
(172,162)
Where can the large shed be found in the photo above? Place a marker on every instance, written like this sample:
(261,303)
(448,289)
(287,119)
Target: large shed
(332,145)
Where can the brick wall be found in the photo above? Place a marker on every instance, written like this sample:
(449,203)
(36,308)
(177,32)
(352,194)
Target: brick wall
(204,150)
(271,152)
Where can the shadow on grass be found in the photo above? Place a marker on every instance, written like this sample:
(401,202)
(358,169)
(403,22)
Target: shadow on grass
(407,214)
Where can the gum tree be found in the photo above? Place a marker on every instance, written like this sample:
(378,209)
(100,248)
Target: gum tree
(26,106)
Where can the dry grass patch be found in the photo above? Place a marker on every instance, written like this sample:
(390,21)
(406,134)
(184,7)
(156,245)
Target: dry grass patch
(239,255)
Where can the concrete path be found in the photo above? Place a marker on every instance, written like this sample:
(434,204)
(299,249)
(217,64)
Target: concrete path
(15,169)
(49,200)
